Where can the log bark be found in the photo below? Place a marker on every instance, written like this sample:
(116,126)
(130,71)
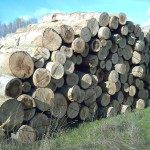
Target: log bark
(73,110)
(56,69)
(12,113)
(25,134)
(44,98)
(18,64)
(41,77)
(10,86)
(40,123)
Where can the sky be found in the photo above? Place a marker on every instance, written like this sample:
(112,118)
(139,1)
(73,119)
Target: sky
(137,11)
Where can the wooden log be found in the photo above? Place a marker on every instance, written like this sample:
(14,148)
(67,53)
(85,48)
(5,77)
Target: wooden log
(147,78)
(128,101)
(141,36)
(118,86)
(130,26)
(69,67)
(140,104)
(106,112)
(100,75)
(81,99)
(44,98)
(73,110)
(114,103)
(114,48)
(56,69)
(95,45)
(84,113)
(119,96)
(52,85)
(127,66)
(67,51)
(18,64)
(104,100)
(146,35)
(71,93)
(132,90)
(139,46)
(131,39)
(103,19)
(94,81)
(12,113)
(113,22)
(108,65)
(114,58)
(137,30)
(98,91)
(111,76)
(109,87)
(29,114)
(60,82)
(90,60)
(103,42)
(10,86)
(41,77)
(102,64)
(40,123)
(90,97)
(109,44)
(125,109)
(123,78)
(27,101)
(58,56)
(26,87)
(60,106)
(122,18)
(73,59)
(72,79)
(148,102)
(127,52)
(123,30)
(78,59)
(103,53)
(85,51)
(38,61)
(143,94)
(78,45)
(130,79)
(138,71)
(123,42)
(120,68)
(93,109)
(25,134)
(104,33)
(116,38)
(120,59)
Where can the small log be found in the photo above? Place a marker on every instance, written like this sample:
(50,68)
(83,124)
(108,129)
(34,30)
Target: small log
(108,44)
(125,87)
(10,86)
(143,94)
(108,65)
(60,106)
(38,61)
(102,64)
(72,93)
(100,75)
(52,85)
(95,45)
(58,56)
(119,96)
(26,87)
(103,42)
(141,36)
(139,46)
(18,64)
(114,48)
(138,71)
(69,67)
(41,77)
(114,103)
(44,98)
(114,58)
(127,52)
(94,81)
(90,60)
(123,30)
(82,97)
(125,109)
(85,51)
(140,104)
(132,90)
(104,33)
(40,123)
(123,42)
(116,38)
(137,30)
(113,22)
(25,134)
(128,101)
(122,18)
(72,79)
(118,86)
(90,97)
(78,45)
(104,99)
(120,59)
(130,79)
(137,57)
(131,39)
(103,53)
(127,66)
(12,113)
(130,26)
(27,101)
(111,76)
(93,109)
(123,78)
(120,68)
(29,114)
(56,69)
(84,113)
(147,78)
(78,59)
(73,110)
(98,91)
(67,51)
(60,82)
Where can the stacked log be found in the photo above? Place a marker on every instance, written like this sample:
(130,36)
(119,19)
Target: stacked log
(78,66)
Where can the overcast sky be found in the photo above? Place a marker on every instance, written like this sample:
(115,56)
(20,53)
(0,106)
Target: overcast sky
(136,10)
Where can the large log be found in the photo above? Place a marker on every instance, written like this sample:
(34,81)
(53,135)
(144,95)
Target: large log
(18,64)
(12,113)
(10,86)
(104,33)
(44,98)
(138,71)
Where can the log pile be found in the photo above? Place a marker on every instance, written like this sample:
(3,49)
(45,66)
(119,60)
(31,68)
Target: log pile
(72,66)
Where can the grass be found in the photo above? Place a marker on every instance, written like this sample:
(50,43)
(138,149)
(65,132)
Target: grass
(125,132)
